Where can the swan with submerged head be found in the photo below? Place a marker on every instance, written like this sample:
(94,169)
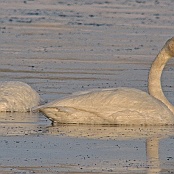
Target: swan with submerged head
(17,97)
(120,106)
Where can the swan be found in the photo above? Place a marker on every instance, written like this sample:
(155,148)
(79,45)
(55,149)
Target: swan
(120,106)
(17,96)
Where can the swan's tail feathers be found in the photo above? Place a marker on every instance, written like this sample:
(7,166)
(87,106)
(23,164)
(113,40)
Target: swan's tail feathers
(60,114)
(41,103)
(35,109)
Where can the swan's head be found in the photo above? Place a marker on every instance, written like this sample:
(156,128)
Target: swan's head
(169,47)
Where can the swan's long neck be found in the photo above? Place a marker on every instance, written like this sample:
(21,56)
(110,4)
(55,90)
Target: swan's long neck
(155,73)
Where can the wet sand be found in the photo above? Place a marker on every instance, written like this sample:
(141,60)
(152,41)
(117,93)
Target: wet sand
(67,46)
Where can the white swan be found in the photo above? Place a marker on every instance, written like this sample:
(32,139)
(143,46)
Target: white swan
(119,105)
(17,97)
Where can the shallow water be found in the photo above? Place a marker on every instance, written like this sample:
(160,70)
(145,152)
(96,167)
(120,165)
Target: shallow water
(61,47)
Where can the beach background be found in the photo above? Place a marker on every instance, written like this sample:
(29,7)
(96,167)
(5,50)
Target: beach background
(61,47)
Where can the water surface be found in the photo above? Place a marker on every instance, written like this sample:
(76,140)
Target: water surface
(61,47)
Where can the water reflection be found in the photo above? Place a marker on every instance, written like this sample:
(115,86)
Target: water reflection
(110,132)
(153,135)
(21,123)
(15,124)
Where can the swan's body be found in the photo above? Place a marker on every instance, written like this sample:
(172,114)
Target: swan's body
(17,97)
(109,106)
(119,105)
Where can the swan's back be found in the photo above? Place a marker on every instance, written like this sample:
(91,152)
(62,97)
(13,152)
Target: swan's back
(17,97)
(110,106)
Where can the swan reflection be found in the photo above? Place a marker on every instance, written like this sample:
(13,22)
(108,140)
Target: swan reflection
(12,124)
(110,132)
(15,123)
(152,135)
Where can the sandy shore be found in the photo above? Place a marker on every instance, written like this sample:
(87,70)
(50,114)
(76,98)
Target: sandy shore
(61,47)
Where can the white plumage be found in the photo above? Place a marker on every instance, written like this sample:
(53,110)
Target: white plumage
(111,106)
(17,97)
(119,105)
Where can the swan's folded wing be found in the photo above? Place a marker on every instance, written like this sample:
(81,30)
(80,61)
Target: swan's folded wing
(64,114)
